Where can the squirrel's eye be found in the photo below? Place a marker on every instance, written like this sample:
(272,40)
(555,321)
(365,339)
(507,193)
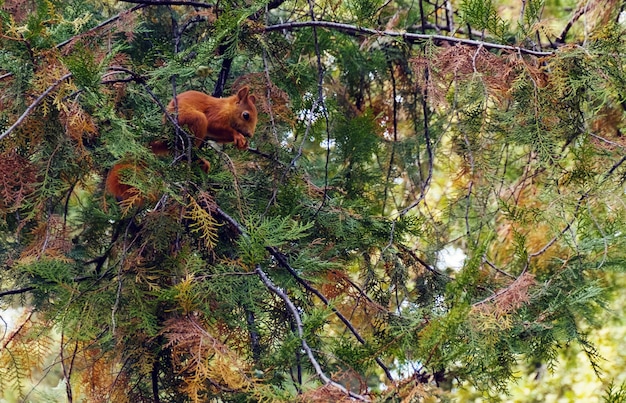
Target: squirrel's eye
(246,115)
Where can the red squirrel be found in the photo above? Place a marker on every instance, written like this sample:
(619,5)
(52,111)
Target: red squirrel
(224,120)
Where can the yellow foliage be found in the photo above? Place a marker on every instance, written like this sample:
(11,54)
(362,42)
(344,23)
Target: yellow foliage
(133,200)
(494,313)
(185,294)
(203,360)
(203,221)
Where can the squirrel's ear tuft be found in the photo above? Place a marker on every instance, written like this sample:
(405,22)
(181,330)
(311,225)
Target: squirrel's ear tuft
(243,93)
(251,98)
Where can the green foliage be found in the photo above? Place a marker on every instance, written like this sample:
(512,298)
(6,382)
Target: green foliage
(84,68)
(614,394)
(483,15)
(321,250)
(364,10)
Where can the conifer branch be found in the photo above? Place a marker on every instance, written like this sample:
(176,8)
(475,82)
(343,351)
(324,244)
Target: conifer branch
(300,330)
(101,25)
(89,31)
(406,36)
(282,260)
(140,80)
(572,221)
(34,105)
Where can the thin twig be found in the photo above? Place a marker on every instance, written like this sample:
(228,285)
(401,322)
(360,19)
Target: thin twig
(394,96)
(320,98)
(102,24)
(282,260)
(429,149)
(34,105)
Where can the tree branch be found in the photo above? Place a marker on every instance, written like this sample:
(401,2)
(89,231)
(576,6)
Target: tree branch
(102,24)
(320,99)
(32,106)
(575,17)
(169,3)
(406,36)
(282,260)
(300,328)
(16,291)
(140,80)
(604,178)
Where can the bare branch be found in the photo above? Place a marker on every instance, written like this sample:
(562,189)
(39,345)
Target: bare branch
(16,291)
(575,17)
(169,3)
(101,25)
(34,105)
(299,326)
(406,36)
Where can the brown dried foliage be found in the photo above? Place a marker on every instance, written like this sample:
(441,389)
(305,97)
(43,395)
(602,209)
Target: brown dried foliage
(18,178)
(78,124)
(50,238)
(49,71)
(101,380)
(365,314)
(413,389)
(326,393)
(204,362)
(19,9)
(507,300)
(608,124)
(464,63)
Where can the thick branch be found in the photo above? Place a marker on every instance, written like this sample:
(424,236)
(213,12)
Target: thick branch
(406,36)
(300,328)
(169,3)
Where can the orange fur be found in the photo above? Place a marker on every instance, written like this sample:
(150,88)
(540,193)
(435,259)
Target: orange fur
(114,184)
(225,120)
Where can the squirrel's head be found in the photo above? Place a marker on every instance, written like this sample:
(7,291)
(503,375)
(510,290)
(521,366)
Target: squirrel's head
(244,120)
